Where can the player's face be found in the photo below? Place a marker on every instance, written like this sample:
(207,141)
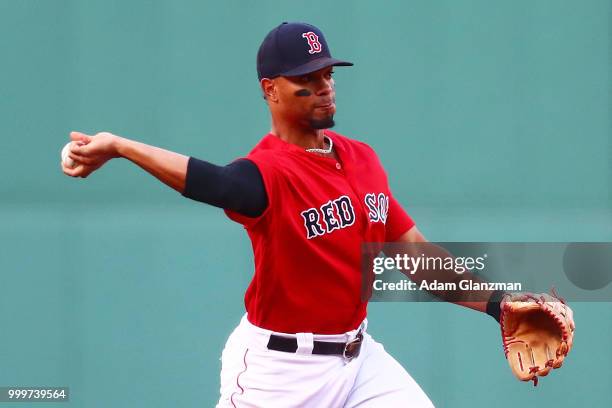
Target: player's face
(308,99)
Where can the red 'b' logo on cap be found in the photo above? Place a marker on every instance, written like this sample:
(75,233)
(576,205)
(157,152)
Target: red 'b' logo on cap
(313,42)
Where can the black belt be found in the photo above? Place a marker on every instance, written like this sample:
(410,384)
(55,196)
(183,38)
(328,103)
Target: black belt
(348,350)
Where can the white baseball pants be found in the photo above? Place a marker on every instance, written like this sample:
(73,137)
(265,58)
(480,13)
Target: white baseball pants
(253,376)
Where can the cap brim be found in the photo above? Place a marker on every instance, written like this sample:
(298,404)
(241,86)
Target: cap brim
(316,65)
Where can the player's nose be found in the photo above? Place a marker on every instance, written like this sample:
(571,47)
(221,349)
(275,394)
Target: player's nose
(326,87)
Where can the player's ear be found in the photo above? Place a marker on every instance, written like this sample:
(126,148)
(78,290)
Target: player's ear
(269,90)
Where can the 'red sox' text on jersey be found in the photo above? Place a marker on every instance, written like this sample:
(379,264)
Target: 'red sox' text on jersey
(307,243)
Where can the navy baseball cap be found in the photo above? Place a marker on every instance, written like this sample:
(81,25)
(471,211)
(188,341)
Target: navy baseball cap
(292,49)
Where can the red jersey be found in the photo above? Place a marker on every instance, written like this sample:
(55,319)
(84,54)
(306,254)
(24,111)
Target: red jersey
(307,243)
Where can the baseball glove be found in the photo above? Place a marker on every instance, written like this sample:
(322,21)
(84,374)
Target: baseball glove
(537,333)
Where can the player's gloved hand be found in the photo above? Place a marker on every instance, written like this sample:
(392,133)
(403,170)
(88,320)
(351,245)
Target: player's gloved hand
(537,333)
(90,153)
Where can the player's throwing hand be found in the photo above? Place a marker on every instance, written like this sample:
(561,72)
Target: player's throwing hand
(90,153)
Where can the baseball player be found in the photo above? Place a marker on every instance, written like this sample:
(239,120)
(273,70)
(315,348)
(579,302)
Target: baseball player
(308,198)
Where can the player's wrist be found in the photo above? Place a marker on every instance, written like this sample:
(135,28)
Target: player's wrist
(118,146)
(493,308)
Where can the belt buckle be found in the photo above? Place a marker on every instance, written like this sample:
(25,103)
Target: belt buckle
(353,347)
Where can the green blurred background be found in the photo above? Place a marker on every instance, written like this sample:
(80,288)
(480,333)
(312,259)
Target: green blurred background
(493,119)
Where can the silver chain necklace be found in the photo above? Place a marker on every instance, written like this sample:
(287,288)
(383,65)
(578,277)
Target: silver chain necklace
(323,151)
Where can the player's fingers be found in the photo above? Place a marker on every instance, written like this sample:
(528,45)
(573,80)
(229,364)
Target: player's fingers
(80,170)
(81,159)
(80,137)
(79,148)
(70,171)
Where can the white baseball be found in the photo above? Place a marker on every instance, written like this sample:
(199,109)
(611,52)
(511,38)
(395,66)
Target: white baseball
(68,162)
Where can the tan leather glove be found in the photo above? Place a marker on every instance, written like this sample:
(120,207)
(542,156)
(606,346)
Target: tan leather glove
(537,333)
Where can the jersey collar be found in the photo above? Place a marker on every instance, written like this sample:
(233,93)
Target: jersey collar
(271,141)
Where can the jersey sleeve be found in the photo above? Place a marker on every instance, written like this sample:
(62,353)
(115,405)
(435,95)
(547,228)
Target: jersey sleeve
(271,178)
(398,221)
